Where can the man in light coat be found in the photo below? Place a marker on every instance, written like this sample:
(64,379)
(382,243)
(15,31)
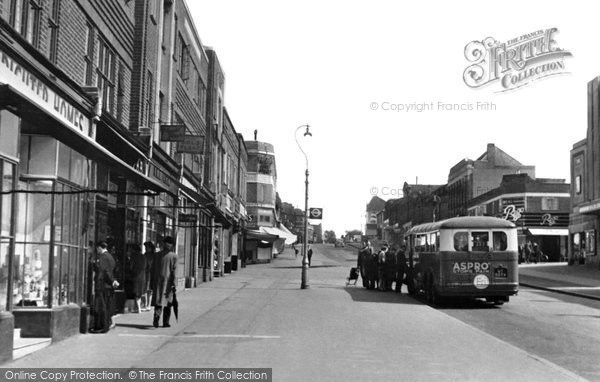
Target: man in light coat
(164,270)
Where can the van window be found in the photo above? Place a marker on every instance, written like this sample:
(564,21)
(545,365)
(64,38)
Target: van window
(480,241)
(500,241)
(421,243)
(434,241)
(461,241)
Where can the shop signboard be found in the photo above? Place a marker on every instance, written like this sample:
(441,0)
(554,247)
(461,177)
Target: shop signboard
(188,218)
(41,94)
(172,133)
(193,144)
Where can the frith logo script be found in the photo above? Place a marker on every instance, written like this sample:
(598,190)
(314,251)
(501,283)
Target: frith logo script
(515,63)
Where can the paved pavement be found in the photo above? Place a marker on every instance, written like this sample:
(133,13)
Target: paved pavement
(576,280)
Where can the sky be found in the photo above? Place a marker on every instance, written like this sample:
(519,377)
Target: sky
(338,65)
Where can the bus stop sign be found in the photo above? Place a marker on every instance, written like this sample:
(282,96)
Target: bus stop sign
(315,213)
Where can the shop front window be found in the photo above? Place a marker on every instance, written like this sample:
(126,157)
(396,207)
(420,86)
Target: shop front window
(42,274)
(68,258)
(32,244)
(8,174)
(4,267)
(590,238)
(7,171)
(38,155)
(9,133)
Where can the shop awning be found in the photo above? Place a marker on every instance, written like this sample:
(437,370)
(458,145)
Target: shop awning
(281,233)
(549,231)
(80,142)
(258,235)
(219,215)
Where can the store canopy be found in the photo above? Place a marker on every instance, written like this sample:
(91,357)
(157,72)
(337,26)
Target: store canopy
(549,231)
(258,235)
(291,237)
(282,232)
(219,215)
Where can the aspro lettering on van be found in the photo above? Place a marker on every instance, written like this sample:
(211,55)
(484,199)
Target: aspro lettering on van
(470,267)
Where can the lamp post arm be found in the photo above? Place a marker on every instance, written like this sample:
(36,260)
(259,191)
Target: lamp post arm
(298,143)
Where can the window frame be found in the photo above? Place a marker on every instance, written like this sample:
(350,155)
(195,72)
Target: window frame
(54,25)
(106,64)
(578,184)
(25,19)
(550,203)
(89,56)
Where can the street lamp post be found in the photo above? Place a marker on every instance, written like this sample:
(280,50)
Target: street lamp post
(304,282)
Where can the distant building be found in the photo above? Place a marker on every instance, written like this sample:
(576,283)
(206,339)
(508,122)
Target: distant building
(585,187)
(266,236)
(317,236)
(261,191)
(417,205)
(470,178)
(375,205)
(539,208)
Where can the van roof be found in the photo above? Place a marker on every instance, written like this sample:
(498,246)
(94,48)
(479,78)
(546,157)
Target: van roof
(463,222)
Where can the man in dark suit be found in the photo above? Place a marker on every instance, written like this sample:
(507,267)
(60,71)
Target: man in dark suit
(104,284)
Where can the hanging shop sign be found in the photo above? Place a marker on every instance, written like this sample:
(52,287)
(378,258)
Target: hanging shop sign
(37,91)
(193,144)
(172,133)
(188,218)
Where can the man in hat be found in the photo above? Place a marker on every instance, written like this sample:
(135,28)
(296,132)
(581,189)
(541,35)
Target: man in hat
(362,262)
(104,284)
(164,269)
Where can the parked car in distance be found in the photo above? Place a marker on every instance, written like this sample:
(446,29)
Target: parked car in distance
(339,244)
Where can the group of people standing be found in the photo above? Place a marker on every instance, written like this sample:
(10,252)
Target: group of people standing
(531,253)
(383,270)
(149,280)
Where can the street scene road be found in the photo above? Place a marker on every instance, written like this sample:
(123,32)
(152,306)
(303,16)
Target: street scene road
(332,332)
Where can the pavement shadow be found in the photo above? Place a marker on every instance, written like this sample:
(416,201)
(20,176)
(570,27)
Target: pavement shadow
(460,303)
(360,294)
(136,326)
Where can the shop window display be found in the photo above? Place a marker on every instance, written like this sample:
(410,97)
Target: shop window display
(32,245)
(8,173)
(4,253)
(49,240)
(9,133)
(9,137)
